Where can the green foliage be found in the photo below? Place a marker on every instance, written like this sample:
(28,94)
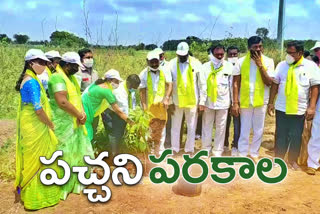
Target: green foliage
(66,39)
(4,38)
(262,32)
(150,47)
(137,135)
(20,38)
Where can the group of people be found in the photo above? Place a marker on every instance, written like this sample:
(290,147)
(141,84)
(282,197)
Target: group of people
(62,97)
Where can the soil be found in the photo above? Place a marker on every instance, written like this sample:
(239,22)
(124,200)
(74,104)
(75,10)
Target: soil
(156,126)
(7,130)
(298,193)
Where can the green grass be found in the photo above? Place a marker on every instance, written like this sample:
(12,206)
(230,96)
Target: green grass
(125,61)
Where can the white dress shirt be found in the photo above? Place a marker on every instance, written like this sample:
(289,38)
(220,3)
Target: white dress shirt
(269,64)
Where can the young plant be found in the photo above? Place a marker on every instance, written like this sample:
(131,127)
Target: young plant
(136,136)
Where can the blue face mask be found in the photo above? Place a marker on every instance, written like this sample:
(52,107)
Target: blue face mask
(131,90)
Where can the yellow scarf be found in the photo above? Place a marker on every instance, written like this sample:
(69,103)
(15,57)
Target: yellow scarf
(258,98)
(48,71)
(212,85)
(186,93)
(74,93)
(160,93)
(291,89)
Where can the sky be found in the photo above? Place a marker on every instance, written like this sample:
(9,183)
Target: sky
(155,21)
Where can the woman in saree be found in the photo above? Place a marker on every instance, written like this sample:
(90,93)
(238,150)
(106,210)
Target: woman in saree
(35,135)
(69,119)
(98,97)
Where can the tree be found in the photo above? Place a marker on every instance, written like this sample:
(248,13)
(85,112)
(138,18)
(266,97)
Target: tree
(150,47)
(20,38)
(262,32)
(5,38)
(140,47)
(66,39)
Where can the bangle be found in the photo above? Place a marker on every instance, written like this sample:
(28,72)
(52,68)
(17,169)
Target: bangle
(167,97)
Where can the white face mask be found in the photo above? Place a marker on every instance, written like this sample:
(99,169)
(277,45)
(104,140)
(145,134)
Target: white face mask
(88,63)
(233,60)
(153,69)
(215,60)
(114,85)
(289,59)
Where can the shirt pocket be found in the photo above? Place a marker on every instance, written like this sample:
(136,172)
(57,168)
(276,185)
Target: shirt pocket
(304,80)
(223,85)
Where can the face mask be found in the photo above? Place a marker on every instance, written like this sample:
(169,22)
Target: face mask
(38,69)
(88,63)
(131,90)
(233,60)
(114,85)
(153,69)
(215,60)
(289,59)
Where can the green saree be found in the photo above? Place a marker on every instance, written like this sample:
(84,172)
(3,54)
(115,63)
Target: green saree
(73,139)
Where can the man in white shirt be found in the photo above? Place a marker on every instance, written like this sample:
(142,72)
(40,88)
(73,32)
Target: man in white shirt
(185,73)
(155,88)
(215,87)
(252,78)
(294,80)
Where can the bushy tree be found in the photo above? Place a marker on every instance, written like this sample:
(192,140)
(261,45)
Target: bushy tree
(5,38)
(66,39)
(20,38)
(150,47)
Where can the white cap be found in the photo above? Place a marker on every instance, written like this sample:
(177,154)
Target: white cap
(72,57)
(35,54)
(317,45)
(112,74)
(52,54)
(158,50)
(153,55)
(182,49)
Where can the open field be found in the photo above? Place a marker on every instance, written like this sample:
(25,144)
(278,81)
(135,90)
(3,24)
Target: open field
(296,194)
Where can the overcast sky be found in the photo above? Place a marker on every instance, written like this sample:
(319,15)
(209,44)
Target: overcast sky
(156,21)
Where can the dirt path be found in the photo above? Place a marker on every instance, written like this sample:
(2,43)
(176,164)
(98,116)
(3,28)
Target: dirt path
(7,130)
(298,193)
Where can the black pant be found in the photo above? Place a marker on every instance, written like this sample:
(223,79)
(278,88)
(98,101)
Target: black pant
(115,127)
(289,130)
(236,131)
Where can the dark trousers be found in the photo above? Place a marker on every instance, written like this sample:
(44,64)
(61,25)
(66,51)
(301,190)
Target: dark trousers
(289,130)
(236,131)
(115,127)
(199,124)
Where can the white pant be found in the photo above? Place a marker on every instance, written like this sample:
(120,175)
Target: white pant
(191,119)
(219,117)
(251,118)
(314,143)
(163,138)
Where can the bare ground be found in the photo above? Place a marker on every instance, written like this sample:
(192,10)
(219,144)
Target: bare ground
(298,193)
